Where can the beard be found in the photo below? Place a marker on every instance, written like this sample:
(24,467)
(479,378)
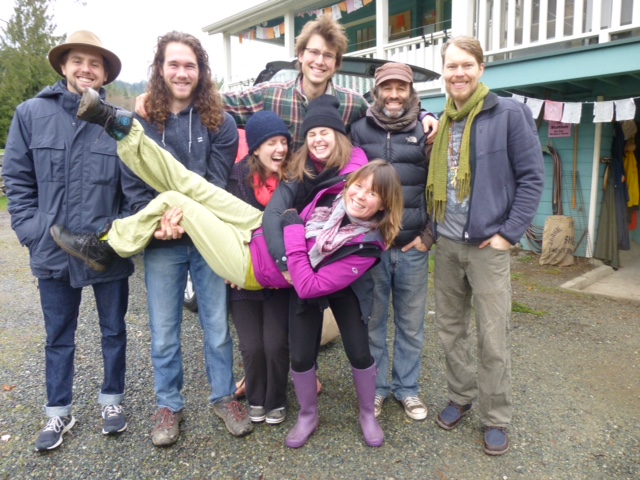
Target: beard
(380,106)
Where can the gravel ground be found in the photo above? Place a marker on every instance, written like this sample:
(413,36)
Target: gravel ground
(576,389)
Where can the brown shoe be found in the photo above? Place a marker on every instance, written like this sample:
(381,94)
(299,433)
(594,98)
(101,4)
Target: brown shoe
(235,416)
(167,429)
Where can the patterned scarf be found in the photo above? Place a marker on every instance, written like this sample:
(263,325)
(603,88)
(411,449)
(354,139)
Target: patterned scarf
(324,225)
(264,191)
(438,171)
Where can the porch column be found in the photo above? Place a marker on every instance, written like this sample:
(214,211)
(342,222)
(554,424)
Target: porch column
(382,27)
(226,54)
(595,178)
(289,35)
(462,19)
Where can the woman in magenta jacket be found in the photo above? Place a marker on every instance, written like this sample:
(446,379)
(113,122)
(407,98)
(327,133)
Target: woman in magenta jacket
(329,246)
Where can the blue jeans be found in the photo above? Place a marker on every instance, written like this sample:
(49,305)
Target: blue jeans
(60,306)
(403,277)
(166,277)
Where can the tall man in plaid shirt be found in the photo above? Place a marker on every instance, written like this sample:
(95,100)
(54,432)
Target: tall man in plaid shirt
(319,47)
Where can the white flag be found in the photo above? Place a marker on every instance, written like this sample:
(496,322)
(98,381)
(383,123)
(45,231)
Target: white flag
(535,105)
(519,98)
(602,112)
(625,109)
(572,112)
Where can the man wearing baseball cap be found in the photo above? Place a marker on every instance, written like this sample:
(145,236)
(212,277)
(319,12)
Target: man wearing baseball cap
(59,169)
(391,130)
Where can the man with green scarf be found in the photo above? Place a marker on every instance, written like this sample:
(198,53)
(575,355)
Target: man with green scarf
(485,182)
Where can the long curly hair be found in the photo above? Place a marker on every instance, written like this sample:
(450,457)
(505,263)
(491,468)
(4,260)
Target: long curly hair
(207,100)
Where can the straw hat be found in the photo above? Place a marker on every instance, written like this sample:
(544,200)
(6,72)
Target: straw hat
(86,40)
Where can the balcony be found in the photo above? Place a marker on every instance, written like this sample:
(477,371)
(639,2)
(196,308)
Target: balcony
(511,29)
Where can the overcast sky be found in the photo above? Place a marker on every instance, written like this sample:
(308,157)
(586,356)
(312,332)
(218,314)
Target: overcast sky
(130,28)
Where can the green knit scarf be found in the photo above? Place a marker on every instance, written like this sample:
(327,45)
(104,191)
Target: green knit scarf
(439,165)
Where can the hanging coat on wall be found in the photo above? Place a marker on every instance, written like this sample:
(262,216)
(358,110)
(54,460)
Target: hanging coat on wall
(606,248)
(620,187)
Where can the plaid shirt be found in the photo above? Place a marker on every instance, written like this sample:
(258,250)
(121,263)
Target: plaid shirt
(287,100)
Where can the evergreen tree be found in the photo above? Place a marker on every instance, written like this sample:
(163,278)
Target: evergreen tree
(24,68)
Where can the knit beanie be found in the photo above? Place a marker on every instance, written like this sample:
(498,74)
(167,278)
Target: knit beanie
(262,126)
(323,112)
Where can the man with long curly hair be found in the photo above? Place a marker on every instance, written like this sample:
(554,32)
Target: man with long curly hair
(184,115)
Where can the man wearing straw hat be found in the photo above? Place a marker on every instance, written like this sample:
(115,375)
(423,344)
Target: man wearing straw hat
(59,169)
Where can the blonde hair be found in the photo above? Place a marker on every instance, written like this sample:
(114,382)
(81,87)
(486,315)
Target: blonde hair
(468,44)
(386,183)
(339,158)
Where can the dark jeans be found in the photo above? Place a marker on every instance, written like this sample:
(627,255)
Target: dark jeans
(60,306)
(262,328)
(305,330)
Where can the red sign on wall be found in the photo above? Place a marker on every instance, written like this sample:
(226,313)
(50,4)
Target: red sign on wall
(559,129)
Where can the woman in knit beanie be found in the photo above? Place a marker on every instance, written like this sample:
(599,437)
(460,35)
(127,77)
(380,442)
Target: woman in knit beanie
(260,317)
(326,144)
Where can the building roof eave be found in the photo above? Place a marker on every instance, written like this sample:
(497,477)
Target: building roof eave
(250,17)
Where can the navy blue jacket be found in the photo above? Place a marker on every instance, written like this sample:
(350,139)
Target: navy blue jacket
(209,154)
(60,170)
(507,171)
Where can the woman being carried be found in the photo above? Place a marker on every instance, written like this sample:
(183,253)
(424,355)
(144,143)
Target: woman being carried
(334,241)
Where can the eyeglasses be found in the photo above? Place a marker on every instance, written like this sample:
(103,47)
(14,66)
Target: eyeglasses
(329,57)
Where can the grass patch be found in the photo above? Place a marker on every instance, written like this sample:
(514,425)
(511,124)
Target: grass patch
(3,203)
(518,307)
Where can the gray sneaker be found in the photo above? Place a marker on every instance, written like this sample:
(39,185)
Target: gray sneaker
(114,419)
(277,415)
(51,436)
(167,428)
(235,416)
(377,405)
(257,414)
(414,408)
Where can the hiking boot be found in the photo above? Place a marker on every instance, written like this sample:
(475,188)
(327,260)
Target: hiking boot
(496,440)
(451,415)
(116,121)
(277,415)
(377,405)
(167,429)
(88,247)
(414,408)
(235,416)
(114,420)
(51,436)
(257,414)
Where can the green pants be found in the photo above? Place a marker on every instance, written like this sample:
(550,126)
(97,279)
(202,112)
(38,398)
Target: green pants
(465,278)
(219,223)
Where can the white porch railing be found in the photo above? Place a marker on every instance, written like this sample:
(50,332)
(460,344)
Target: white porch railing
(519,32)
(512,28)
(507,27)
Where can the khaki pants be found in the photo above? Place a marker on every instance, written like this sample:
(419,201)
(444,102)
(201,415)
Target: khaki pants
(219,223)
(463,270)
